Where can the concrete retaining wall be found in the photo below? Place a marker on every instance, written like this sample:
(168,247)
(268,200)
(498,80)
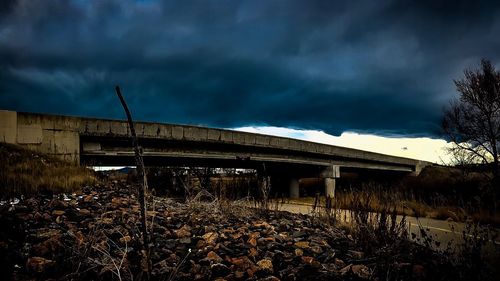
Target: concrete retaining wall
(8,126)
(54,135)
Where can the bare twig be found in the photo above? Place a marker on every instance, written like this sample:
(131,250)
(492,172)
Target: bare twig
(141,175)
(173,274)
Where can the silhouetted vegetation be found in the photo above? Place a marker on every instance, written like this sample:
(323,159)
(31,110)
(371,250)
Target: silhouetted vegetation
(472,122)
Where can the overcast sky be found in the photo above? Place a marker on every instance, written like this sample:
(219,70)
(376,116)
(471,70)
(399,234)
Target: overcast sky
(377,67)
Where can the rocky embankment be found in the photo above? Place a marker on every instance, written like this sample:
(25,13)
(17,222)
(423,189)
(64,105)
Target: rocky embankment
(95,235)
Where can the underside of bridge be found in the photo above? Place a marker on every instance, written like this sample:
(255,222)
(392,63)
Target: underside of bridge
(273,163)
(102,151)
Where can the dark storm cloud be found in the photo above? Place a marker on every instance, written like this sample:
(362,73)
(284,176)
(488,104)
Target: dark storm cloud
(375,66)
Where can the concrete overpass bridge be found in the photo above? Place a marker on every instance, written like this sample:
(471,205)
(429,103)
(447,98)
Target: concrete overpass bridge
(100,142)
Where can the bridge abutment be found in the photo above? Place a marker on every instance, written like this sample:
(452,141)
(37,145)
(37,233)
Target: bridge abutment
(54,135)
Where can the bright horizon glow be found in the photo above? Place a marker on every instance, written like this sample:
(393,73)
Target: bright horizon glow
(108,168)
(421,148)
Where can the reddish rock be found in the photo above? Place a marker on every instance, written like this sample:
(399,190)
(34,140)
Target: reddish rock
(339,263)
(58,212)
(84,212)
(184,231)
(47,217)
(254,235)
(252,241)
(316,249)
(39,264)
(253,252)
(125,239)
(212,256)
(360,270)
(48,246)
(106,221)
(307,259)
(265,265)
(262,225)
(236,236)
(242,263)
(239,274)
(210,237)
(37,216)
(201,244)
(219,270)
(173,259)
(302,244)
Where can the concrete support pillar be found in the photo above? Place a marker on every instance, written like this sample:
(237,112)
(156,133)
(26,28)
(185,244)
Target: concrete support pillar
(329,187)
(294,188)
(330,174)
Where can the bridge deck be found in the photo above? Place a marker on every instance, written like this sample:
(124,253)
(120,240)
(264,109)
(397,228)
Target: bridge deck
(91,139)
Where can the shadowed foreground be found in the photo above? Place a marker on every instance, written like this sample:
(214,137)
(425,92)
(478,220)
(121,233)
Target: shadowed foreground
(94,235)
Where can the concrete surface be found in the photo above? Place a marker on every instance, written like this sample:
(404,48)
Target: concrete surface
(61,136)
(8,126)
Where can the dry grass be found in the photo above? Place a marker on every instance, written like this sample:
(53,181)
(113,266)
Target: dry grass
(403,206)
(25,172)
(383,234)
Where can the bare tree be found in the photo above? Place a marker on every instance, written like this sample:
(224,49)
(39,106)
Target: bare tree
(472,122)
